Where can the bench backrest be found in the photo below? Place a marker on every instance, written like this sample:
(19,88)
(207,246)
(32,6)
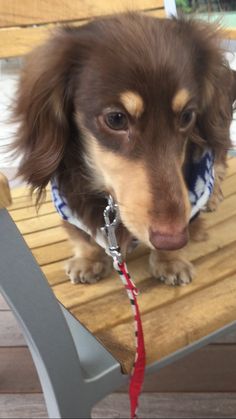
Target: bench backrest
(26,23)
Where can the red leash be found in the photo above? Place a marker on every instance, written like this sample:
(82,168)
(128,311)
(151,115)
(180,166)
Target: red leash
(137,375)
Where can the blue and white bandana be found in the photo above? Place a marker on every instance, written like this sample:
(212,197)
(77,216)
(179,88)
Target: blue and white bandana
(199,180)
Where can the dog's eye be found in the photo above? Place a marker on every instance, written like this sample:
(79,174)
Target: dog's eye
(116,121)
(186,118)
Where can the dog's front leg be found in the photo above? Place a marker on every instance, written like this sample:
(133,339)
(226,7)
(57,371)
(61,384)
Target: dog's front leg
(90,262)
(171,267)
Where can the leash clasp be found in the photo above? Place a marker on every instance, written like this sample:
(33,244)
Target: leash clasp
(112,219)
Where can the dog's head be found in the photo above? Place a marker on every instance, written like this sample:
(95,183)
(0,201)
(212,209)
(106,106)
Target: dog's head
(114,105)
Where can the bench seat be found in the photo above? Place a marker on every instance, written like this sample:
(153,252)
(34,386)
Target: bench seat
(173,317)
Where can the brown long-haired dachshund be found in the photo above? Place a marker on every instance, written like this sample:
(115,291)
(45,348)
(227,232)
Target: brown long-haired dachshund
(131,106)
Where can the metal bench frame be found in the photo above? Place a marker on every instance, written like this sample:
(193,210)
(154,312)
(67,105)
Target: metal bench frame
(74,369)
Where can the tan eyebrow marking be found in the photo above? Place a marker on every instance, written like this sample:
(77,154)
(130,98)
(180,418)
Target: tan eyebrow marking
(180,99)
(133,102)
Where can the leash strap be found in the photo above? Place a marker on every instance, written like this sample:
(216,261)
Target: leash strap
(137,375)
(111,218)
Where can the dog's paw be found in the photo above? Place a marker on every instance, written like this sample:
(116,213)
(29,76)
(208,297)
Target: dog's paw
(171,272)
(88,271)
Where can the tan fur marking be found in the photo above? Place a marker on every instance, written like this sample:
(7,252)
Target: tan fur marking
(133,103)
(134,205)
(180,100)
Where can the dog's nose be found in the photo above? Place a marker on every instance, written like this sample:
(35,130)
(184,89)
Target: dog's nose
(168,241)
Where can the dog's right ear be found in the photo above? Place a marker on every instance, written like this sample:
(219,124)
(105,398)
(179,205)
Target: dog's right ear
(44,107)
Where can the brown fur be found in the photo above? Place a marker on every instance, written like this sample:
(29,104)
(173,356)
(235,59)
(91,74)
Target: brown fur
(68,84)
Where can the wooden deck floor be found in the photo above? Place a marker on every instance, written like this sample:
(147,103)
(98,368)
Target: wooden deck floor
(203,385)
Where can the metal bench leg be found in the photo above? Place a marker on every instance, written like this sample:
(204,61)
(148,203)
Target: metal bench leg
(44,326)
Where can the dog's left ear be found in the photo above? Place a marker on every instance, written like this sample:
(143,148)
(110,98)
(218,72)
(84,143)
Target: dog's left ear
(217,88)
(44,107)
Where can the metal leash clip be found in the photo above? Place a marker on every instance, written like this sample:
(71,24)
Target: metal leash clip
(112,219)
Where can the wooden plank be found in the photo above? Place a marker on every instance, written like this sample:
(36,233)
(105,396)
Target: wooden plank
(39,223)
(25,406)
(226,210)
(10,333)
(45,237)
(21,192)
(153,294)
(3,303)
(73,295)
(30,212)
(220,235)
(53,252)
(55,272)
(231,169)
(25,202)
(156,405)
(229,186)
(211,369)
(18,372)
(188,320)
(165,406)
(15,13)
(5,196)
(19,41)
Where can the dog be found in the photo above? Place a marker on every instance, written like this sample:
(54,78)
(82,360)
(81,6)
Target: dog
(120,106)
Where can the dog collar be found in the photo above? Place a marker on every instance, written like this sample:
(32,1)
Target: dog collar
(199,176)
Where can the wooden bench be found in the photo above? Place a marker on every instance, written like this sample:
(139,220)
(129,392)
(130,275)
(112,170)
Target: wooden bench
(24,24)
(173,318)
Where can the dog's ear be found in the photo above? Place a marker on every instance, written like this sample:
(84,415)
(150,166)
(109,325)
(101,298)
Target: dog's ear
(216,84)
(44,107)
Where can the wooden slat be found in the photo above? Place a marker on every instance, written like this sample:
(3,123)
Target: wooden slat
(3,304)
(228,186)
(55,272)
(165,406)
(156,405)
(211,369)
(5,196)
(220,235)
(72,296)
(29,212)
(15,13)
(39,223)
(231,169)
(25,202)
(52,252)
(185,321)
(25,406)
(218,238)
(18,370)
(45,237)
(226,210)
(19,193)
(19,41)
(153,294)
(10,333)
